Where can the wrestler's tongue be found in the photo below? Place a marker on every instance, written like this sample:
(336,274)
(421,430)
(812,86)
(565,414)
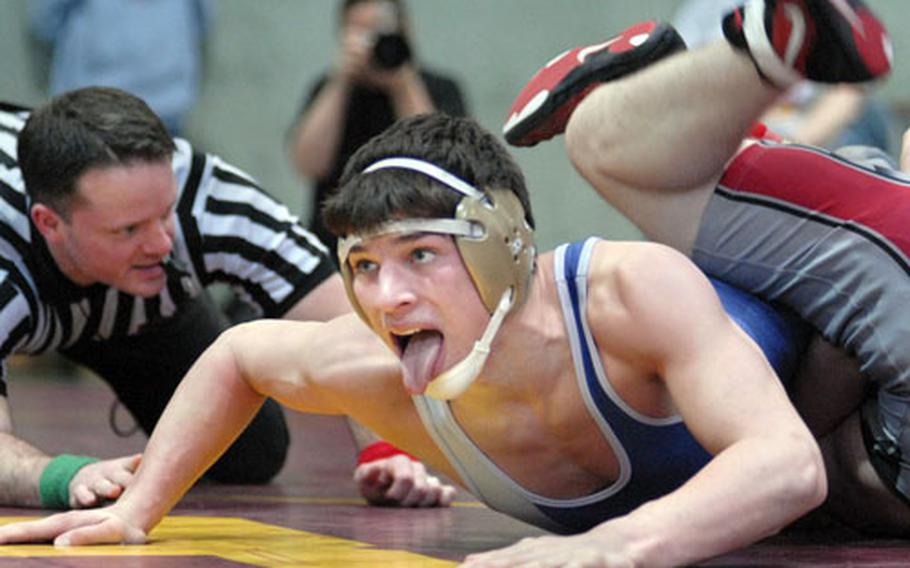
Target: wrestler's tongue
(418,358)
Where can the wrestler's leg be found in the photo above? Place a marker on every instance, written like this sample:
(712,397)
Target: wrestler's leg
(672,126)
(652,162)
(652,142)
(827,388)
(619,103)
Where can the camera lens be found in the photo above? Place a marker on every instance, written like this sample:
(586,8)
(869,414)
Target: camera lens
(391,51)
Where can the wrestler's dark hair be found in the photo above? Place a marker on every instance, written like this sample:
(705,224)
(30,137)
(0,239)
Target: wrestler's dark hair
(459,145)
(94,127)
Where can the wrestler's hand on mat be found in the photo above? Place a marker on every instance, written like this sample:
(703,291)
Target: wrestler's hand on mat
(399,481)
(102,481)
(593,549)
(75,528)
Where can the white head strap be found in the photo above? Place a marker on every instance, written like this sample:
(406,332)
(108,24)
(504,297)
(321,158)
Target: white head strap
(430,170)
(457,227)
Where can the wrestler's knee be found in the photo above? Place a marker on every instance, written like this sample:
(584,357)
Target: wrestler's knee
(585,146)
(259,453)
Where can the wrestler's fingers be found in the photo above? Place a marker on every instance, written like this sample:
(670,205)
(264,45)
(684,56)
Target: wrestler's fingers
(109,531)
(29,531)
(447,496)
(430,492)
(373,479)
(371,474)
(408,481)
(43,530)
(436,494)
(364,472)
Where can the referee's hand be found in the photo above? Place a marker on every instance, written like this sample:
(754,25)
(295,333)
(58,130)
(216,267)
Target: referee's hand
(102,481)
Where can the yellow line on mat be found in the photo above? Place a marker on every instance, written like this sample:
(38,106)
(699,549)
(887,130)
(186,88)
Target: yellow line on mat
(238,540)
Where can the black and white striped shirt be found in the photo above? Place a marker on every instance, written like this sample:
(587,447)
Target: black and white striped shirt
(228,230)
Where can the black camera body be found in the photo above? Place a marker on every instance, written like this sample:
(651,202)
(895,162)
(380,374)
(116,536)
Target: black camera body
(391,51)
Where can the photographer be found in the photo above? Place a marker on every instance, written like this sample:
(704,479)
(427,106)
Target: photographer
(374,81)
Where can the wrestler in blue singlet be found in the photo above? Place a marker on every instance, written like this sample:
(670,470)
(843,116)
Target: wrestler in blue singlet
(655,455)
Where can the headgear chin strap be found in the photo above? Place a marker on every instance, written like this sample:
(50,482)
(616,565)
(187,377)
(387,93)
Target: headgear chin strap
(496,245)
(452,383)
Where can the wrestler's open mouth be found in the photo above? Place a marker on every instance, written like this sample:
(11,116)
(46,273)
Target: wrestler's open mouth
(404,338)
(421,356)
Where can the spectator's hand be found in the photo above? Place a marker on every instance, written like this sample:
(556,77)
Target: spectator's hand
(352,61)
(75,528)
(399,481)
(102,481)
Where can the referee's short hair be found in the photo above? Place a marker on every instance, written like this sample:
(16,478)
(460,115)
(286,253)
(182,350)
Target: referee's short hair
(83,129)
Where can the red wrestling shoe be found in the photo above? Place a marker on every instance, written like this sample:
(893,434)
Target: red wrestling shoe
(829,41)
(544,105)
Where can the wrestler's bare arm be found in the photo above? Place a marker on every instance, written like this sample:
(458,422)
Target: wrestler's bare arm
(767,469)
(214,402)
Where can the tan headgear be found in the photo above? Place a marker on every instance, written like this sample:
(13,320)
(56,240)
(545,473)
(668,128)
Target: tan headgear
(490,230)
(496,244)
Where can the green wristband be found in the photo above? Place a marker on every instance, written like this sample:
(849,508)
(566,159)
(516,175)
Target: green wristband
(55,480)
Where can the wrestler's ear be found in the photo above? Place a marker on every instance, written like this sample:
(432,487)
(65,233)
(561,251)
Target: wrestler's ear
(48,222)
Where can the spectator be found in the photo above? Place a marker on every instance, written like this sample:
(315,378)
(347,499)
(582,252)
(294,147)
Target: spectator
(375,79)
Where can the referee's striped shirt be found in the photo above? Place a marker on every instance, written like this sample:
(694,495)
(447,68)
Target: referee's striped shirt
(228,230)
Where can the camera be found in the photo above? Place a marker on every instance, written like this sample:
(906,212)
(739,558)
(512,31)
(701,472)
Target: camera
(390,51)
